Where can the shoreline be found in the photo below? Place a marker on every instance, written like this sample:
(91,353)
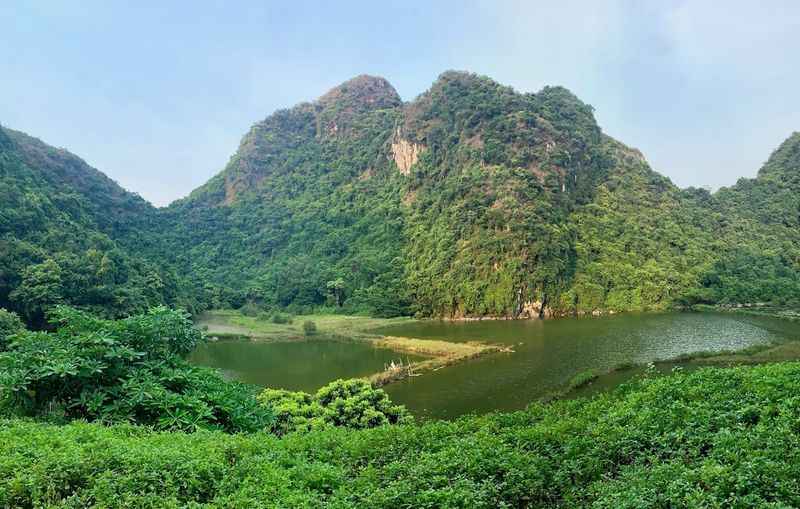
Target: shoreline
(231,325)
(349,328)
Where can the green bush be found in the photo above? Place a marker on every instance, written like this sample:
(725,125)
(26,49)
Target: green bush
(281,318)
(711,438)
(309,328)
(10,324)
(250,309)
(128,370)
(347,403)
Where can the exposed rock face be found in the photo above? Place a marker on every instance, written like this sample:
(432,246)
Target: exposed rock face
(405,154)
(535,310)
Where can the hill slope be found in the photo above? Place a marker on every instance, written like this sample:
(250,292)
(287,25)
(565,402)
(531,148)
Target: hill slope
(456,203)
(58,221)
(712,438)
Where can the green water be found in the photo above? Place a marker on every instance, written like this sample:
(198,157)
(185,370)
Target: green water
(548,353)
(302,365)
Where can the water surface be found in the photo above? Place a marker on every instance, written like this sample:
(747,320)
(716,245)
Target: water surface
(300,365)
(548,353)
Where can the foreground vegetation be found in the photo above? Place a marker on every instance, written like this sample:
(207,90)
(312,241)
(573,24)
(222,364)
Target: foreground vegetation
(133,371)
(711,438)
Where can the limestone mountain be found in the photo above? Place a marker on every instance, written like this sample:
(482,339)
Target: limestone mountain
(455,203)
(470,200)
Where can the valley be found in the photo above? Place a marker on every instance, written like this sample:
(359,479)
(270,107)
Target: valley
(473,298)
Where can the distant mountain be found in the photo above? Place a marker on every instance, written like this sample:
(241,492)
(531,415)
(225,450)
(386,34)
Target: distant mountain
(470,200)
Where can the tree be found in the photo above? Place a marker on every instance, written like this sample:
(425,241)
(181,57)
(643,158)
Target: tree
(10,324)
(40,289)
(347,403)
(336,290)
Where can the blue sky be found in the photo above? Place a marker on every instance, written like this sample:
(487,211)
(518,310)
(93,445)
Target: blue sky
(158,94)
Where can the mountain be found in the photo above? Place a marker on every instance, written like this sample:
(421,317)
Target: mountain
(760,220)
(456,203)
(58,221)
(470,200)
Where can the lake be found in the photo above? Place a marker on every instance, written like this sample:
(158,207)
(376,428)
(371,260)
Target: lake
(298,365)
(547,354)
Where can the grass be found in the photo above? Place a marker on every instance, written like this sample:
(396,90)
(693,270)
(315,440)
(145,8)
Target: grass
(441,353)
(582,379)
(227,322)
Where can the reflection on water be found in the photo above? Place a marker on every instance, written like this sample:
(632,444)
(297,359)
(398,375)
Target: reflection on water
(302,365)
(549,352)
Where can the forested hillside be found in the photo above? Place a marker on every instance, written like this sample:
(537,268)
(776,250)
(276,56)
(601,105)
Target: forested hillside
(471,200)
(58,221)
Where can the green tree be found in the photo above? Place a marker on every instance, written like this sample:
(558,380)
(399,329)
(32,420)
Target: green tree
(346,403)
(336,291)
(41,288)
(10,324)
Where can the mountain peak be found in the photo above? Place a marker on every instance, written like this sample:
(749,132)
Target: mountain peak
(363,93)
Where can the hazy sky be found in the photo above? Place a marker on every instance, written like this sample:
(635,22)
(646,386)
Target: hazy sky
(158,96)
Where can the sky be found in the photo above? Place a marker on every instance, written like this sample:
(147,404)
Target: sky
(158,94)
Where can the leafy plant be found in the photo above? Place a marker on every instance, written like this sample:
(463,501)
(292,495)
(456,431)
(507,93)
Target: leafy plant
(281,318)
(710,438)
(347,403)
(10,324)
(128,370)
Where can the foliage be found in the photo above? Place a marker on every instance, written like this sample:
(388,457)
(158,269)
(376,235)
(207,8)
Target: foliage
(711,438)
(127,370)
(281,318)
(515,205)
(309,328)
(250,309)
(582,379)
(61,225)
(347,403)
(10,324)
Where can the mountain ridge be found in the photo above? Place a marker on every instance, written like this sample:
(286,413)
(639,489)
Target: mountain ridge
(472,199)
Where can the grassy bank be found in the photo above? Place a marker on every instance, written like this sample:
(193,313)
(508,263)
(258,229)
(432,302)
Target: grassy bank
(441,353)
(229,323)
(592,382)
(711,438)
(783,312)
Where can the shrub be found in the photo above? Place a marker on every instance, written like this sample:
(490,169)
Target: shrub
(281,318)
(347,403)
(250,309)
(711,438)
(127,370)
(10,324)
(309,328)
